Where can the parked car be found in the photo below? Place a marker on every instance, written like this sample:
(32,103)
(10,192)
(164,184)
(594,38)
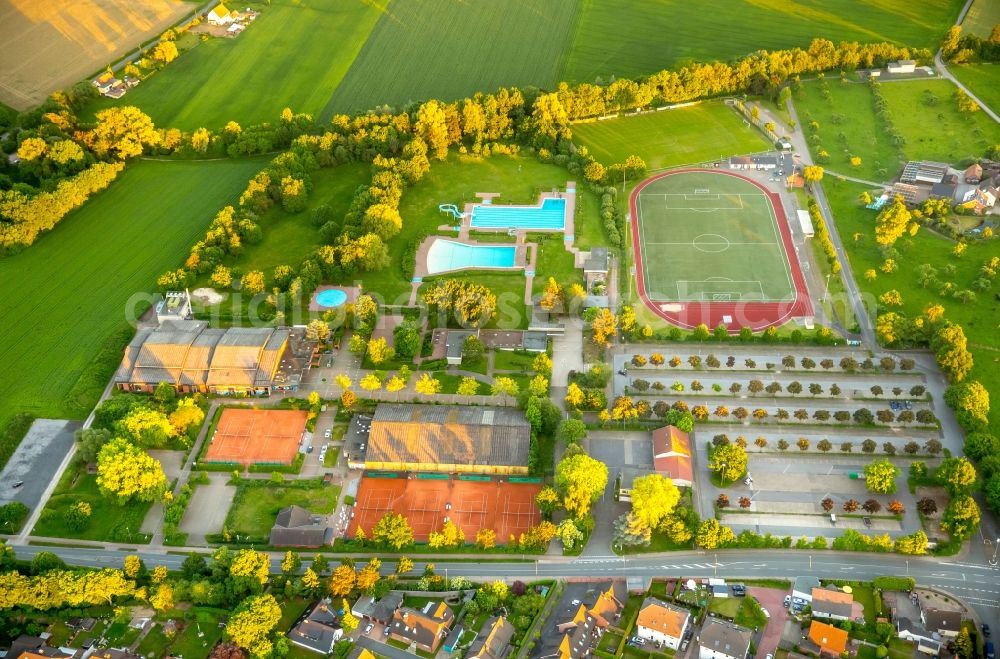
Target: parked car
(991,653)
(327,433)
(739,590)
(986,630)
(17,485)
(369,627)
(788,601)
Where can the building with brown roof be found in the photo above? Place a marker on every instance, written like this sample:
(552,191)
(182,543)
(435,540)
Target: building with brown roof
(582,614)
(318,630)
(721,639)
(830,640)
(672,455)
(832,604)
(448,438)
(493,640)
(425,628)
(974,173)
(190,356)
(946,623)
(297,527)
(662,623)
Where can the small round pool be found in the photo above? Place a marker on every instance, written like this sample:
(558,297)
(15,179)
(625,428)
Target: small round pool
(331,297)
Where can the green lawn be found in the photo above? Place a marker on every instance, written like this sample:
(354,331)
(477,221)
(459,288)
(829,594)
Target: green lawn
(509,360)
(155,643)
(848,126)
(519,180)
(925,247)
(982,16)
(188,644)
(937,131)
(726,607)
(448,49)
(294,55)
(982,79)
(554,260)
(108,521)
(673,137)
(254,508)
(69,292)
(623,38)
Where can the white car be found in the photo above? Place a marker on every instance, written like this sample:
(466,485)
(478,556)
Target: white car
(327,433)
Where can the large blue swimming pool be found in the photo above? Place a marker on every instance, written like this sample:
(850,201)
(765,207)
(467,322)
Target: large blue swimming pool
(551,215)
(445,255)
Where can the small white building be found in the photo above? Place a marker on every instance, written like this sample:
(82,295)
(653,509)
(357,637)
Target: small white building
(662,623)
(805,223)
(902,66)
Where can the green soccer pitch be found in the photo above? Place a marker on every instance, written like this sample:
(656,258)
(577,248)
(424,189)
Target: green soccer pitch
(710,237)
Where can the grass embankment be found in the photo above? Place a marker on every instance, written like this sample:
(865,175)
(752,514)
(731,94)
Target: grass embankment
(67,296)
(299,52)
(623,38)
(672,137)
(447,50)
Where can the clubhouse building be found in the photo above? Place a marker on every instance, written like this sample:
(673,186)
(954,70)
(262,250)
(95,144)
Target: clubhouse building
(192,357)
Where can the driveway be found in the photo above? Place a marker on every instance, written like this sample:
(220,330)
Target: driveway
(36,461)
(206,513)
(771,599)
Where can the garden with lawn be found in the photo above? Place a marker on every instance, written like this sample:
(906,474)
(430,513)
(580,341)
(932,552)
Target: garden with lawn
(681,136)
(57,359)
(257,503)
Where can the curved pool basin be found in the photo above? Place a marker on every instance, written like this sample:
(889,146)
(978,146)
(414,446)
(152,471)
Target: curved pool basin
(447,255)
(331,298)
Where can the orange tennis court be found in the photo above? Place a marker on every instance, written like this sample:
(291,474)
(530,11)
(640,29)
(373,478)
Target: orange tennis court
(257,436)
(507,508)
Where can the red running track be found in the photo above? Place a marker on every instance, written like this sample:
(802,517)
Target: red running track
(755,315)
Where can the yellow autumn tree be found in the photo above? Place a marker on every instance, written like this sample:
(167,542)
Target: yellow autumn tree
(126,472)
(187,415)
(427,385)
(603,325)
(251,564)
(122,132)
(253,622)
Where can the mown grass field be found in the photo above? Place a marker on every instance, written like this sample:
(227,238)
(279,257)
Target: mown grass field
(937,130)
(672,137)
(848,126)
(448,49)
(624,38)
(106,517)
(982,16)
(982,79)
(65,295)
(294,55)
(519,180)
(979,319)
(255,508)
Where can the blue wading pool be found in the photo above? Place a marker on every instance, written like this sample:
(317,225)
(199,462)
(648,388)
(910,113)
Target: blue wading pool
(551,214)
(445,255)
(331,297)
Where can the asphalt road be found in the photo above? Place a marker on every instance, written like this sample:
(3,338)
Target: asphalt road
(977,585)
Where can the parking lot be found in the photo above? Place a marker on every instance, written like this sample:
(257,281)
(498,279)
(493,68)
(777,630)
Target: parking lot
(36,461)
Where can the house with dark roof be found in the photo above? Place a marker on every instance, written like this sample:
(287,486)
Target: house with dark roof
(448,438)
(36,647)
(913,630)
(672,455)
(596,266)
(828,639)
(425,628)
(945,623)
(579,619)
(297,527)
(377,610)
(318,630)
(721,639)
(832,604)
(493,640)
(661,622)
(454,343)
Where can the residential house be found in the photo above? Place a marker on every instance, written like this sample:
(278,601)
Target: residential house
(359,652)
(910,630)
(425,628)
(662,623)
(377,610)
(802,589)
(832,604)
(35,647)
(453,639)
(454,343)
(945,623)
(902,66)
(753,162)
(984,196)
(297,527)
(596,267)
(584,611)
(448,438)
(945,189)
(493,640)
(318,630)
(220,16)
(974,174)
(829,639)
(672,455)
(721,639)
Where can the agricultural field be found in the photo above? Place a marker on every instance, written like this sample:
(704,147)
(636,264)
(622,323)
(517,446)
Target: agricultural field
(519,180)
(927,116)
(982,79)
(622,38)
(982,16)
(69,292)
(448,49)
(294,55)
(59,43)
(673,137)
(978,319)
(848,127)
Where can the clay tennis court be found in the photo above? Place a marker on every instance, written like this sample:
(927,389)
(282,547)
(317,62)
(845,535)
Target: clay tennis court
(257,436)
(507,508)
